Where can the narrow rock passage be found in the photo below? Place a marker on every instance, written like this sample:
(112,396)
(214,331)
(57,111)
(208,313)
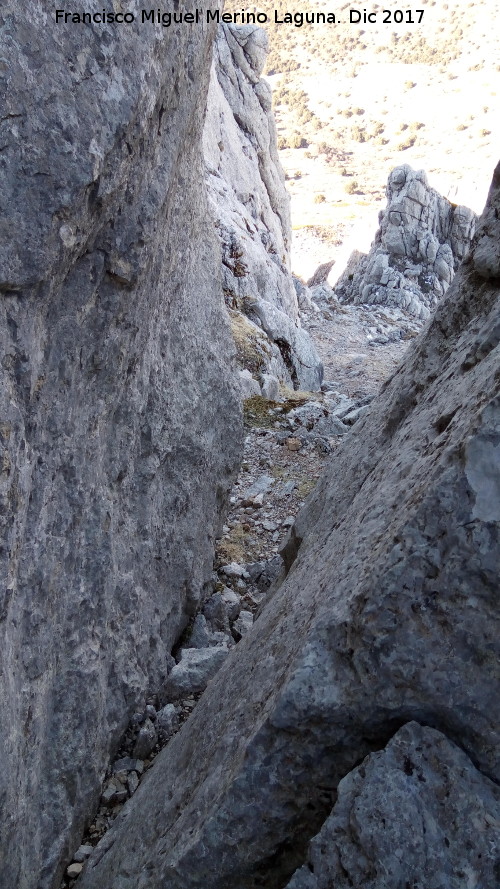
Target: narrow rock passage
(286,445)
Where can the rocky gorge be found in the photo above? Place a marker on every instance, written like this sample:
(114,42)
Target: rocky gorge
(323,709)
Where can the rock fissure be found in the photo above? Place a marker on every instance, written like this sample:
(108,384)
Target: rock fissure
(377,641)
(329,715)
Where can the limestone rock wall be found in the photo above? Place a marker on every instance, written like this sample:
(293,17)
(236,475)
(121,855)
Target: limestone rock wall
(247,192)
(421,241)
(120,420)
(388,616)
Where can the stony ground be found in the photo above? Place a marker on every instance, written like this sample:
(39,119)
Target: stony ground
(285,448)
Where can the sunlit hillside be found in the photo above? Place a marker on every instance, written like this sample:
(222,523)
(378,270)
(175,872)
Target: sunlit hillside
(354,100)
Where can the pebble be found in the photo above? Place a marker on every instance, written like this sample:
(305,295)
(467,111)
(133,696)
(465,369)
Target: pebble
(193,672)
(232,603)
(74,870)
(132,782)
(146,740)
(215,611)
(200,636)
(82,853)
(114,794)
(233,570)
(244,624)
(269,526)
(127,764)
(168,719)
(261,485)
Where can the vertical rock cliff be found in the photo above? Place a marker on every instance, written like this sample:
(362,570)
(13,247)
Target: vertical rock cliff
(119,424)
(247,192)
(383,637)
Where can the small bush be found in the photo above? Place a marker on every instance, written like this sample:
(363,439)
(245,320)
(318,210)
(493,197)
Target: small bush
(319,199)
(358,134)
(276,64)
(351,187)
(305,115)
(409,143)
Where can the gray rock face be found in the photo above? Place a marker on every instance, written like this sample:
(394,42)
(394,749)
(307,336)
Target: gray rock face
(416,814)
(119,420)
(420,243)
(388,615)
(247,191)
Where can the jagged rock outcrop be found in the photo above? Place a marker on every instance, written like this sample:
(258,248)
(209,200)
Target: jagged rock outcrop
(251,205)
(416,814)
(388,615)
(120,419)
(421,241)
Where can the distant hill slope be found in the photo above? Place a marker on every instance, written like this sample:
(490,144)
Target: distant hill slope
(354,101)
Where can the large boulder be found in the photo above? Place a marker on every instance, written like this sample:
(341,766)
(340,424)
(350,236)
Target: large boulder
(388,615)
(120,420)
(247,192)
(416,814)
(418,247)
